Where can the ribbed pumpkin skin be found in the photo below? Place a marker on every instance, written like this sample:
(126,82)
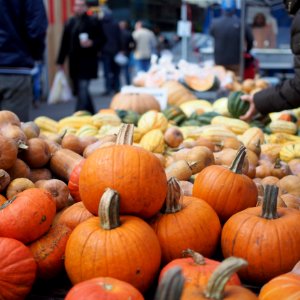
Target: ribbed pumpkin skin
(49,250)
(139,103)
(225,191)
(197,274)
(235,105)
(17,269)
(103,288)
(271,247)
(130,252)
(135,173)
(286,286)
(195,226)
(29,216)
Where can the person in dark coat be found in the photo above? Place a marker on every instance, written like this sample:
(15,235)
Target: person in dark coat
(23,27)
(285,95)
(227,38)
(127,46)
(110,49)
(82,40)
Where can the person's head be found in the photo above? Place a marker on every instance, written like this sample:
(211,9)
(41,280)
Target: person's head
(123,25)
(292,6)
(228,6)
(138,25)
(80,7)
(259,20)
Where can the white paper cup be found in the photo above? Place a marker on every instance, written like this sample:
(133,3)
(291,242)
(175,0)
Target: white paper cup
(83,36)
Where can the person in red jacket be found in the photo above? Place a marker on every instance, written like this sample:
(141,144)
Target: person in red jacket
(287,94)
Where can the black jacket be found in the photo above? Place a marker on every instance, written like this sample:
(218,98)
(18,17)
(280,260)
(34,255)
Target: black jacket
(83,62)
(112,33)
(226,33)
(23,26)
(287,94)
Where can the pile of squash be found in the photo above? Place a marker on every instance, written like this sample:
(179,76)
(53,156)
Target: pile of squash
(127,201)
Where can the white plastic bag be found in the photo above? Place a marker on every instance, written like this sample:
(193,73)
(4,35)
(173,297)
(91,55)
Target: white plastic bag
(60,90)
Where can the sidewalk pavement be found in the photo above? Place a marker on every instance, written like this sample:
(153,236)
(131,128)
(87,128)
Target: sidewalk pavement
(61,110)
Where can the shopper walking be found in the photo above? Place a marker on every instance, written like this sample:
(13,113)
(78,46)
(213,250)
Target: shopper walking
(23,26)
(81,42)
(110,49)
(127,46)
(145,46)
(227,40)
(286,95)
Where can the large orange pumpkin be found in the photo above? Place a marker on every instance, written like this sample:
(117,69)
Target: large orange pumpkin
(186,222)
(268,237)
(122,247)
(285,286)
(28,215)
(227,190)
(135,173)
(17,269)
(103,288)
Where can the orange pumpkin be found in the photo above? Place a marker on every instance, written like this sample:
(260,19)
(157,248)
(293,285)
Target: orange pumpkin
(73,183)
(186,222)
(17,269)
(48,251)
(285,286)
(74,215)
(135,173)
(270,232)
(227,190)
(103,288)
(28,215)
(196,269)
(171,286)
(122,247)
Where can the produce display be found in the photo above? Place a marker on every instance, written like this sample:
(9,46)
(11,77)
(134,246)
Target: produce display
(188,202)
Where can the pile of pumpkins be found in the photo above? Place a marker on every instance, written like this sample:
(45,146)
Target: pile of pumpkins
(129,200)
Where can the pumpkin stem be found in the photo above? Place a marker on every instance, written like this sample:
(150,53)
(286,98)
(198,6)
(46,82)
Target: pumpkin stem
(108,211)
(217,281)
(174,196)
(8,202)
(194,166)
(171,285)
(125,135)
(237,164)
(197,257)
(277,164)
(269,207)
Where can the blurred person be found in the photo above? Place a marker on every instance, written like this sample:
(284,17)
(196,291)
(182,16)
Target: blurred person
(263,34)
(110,49)
(146,44)
(37,83)
(285,95)
(81,42)
(23,27)
(226,31)
(127,46)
